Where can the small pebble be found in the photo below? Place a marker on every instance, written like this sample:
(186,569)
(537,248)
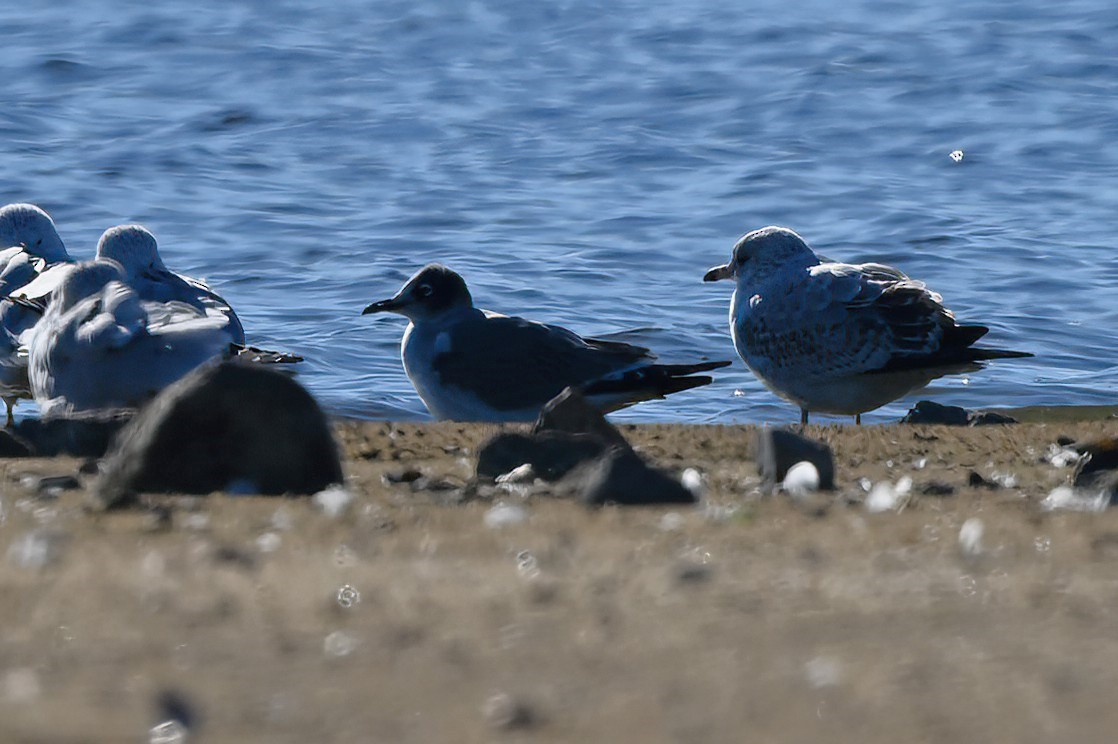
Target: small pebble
(168,732)
(882,497)
(333,502)
(502,711)
(692,480)
(36,549)
(521,474)
(269,542)
(504,515)
(801,479)
(671,522)
(970,537)
(1068,498)
(339,644)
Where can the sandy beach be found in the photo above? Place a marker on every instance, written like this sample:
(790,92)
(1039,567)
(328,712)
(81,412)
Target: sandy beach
(412,617)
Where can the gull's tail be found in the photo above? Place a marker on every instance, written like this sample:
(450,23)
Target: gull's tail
(956,353)
(262,356)
(649,382)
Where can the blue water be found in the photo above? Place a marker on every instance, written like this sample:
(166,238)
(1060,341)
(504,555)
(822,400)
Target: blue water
(583,163)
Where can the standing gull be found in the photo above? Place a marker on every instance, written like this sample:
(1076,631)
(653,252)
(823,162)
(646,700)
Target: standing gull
(840,338)
(469,364)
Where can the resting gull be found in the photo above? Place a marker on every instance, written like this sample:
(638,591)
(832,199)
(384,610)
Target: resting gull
(469,364)
(100,345)
(840,338)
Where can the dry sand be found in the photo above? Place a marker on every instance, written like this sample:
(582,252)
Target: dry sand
(750,618)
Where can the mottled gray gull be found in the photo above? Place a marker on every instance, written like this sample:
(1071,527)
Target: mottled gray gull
(840,338)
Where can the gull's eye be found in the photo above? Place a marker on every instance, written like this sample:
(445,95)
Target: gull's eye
(423,290)
(38,242)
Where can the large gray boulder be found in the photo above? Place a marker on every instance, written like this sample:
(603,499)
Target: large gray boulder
(229,426)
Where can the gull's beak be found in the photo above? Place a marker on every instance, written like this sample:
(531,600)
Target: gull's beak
(719,273)
(385,306)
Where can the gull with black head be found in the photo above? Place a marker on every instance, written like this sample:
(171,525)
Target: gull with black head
(840,338)
(469,364)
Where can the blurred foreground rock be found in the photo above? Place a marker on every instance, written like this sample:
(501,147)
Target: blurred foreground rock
(1098,467)
(573,442)
(929,412)
(779,449)
(231,426)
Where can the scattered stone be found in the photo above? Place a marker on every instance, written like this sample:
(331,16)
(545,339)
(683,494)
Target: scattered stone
(12,445)
(932,413)
(504,515)
(219,424)
(334,501)
(339,644)
(406,475)
(975,480)
(502,711)
(51,485)
(801,479)
(36,549)
(692,480)
(1067,498)
(691,572)
(970,537)
(551,454)
(885,496)
(622,477)
(569,412)
(780,449)
(175,706)
(168,732)
(521,474)
(1064,441)
(1098,468)
(936,488)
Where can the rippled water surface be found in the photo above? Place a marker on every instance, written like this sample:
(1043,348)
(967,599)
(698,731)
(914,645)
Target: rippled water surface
(584,163)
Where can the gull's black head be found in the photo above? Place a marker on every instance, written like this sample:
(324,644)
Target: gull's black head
(433,290)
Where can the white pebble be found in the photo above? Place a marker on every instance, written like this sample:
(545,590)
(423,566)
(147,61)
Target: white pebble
(970,537)
(882,497)
(1066,497)
(671,522)
(269,542)
(34,550)
(904,486)
(503,515)
(520,474)
(168,732)
(22,686)
(823,671)
(802,478)
(339,644)
(692,480)
(334,501)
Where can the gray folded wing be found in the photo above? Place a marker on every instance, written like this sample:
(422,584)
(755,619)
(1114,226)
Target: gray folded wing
(511,363)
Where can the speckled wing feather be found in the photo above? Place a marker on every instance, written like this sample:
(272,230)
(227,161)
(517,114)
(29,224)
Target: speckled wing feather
(511,363)
(843,319)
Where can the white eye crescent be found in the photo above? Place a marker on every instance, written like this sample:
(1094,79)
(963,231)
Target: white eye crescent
(424,290)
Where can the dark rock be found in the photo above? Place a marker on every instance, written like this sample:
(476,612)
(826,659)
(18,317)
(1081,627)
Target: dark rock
(52,483)
(225,423)
(1064,440)
(975,480)
(780,449)
(552,454)
(12,445)
(622,477)
(1098,468)
(86,434)
(569,412)
(930,412)
(937,488)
